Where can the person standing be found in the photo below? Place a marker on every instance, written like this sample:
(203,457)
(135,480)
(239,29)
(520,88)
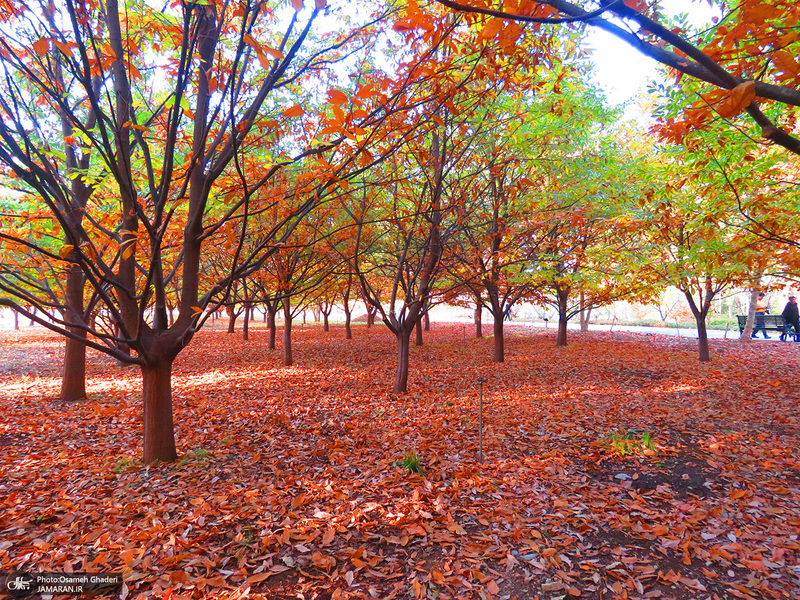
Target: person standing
(791,318)
(762,308)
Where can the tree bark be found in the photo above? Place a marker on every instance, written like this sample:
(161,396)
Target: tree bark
(231,320)
(325,326)
(418,329)
(246,324)
(348,330)
(287,333)
(751,317)
(16,320)
(702,339)
(585,314)
(478,318)
(403,351)
(427,321)
(563,297)
(73,381)
(159,434)
(499,354)
(272,328)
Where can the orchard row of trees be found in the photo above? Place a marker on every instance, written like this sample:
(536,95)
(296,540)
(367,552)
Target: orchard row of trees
(225,155)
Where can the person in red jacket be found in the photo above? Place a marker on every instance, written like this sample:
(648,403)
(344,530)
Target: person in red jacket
(791,318)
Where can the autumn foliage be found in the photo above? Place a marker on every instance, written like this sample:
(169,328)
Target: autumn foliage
(617,467)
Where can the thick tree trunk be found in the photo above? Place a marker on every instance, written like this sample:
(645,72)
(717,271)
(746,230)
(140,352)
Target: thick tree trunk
(702,339)
(348,330)
(272,329)
(16,321)
(585,314)
(563,297)
(478,317)
(418,329)
(371,310)
(246,324)
(427,321)
(231,320)
(122,346)
(287,333)
(159,432)
(403,350)
(499,354)
(73,381)
(325,326)
(751,317)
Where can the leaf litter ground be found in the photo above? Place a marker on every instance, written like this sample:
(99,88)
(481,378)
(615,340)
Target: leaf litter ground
(617,467)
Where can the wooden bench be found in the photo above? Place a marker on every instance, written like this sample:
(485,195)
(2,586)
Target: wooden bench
(771,323)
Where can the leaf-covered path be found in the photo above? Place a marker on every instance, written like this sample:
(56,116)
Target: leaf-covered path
(618,467)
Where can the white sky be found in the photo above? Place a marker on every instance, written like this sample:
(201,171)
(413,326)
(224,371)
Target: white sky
(623,72)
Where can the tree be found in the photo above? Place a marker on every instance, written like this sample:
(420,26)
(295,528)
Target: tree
(171,106)
(748,57)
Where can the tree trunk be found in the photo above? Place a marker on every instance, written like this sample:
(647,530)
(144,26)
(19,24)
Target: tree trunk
(563,297)
(427,321)
(325,326)
(16,320)
(246,324)
(121,345)
(702,339)
(231,320)
(403,350)
(418,329)
(287,333)
(159,432)
(499,354)
(371,310)
(348,331)
(586,314)
(478,317)
(751,317)
(73,381)
(272,328)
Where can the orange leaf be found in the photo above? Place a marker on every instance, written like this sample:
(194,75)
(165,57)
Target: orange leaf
(736,494)
(786,62)
(41,46)
(337,96)
(294,111)
(740,97)
(328,536)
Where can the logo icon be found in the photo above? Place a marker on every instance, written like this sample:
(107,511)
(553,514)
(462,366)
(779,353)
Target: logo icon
(20,584)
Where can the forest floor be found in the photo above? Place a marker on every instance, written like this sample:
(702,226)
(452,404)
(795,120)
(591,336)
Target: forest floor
(617,467)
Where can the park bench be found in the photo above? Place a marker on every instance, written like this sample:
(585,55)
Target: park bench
(771,323)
